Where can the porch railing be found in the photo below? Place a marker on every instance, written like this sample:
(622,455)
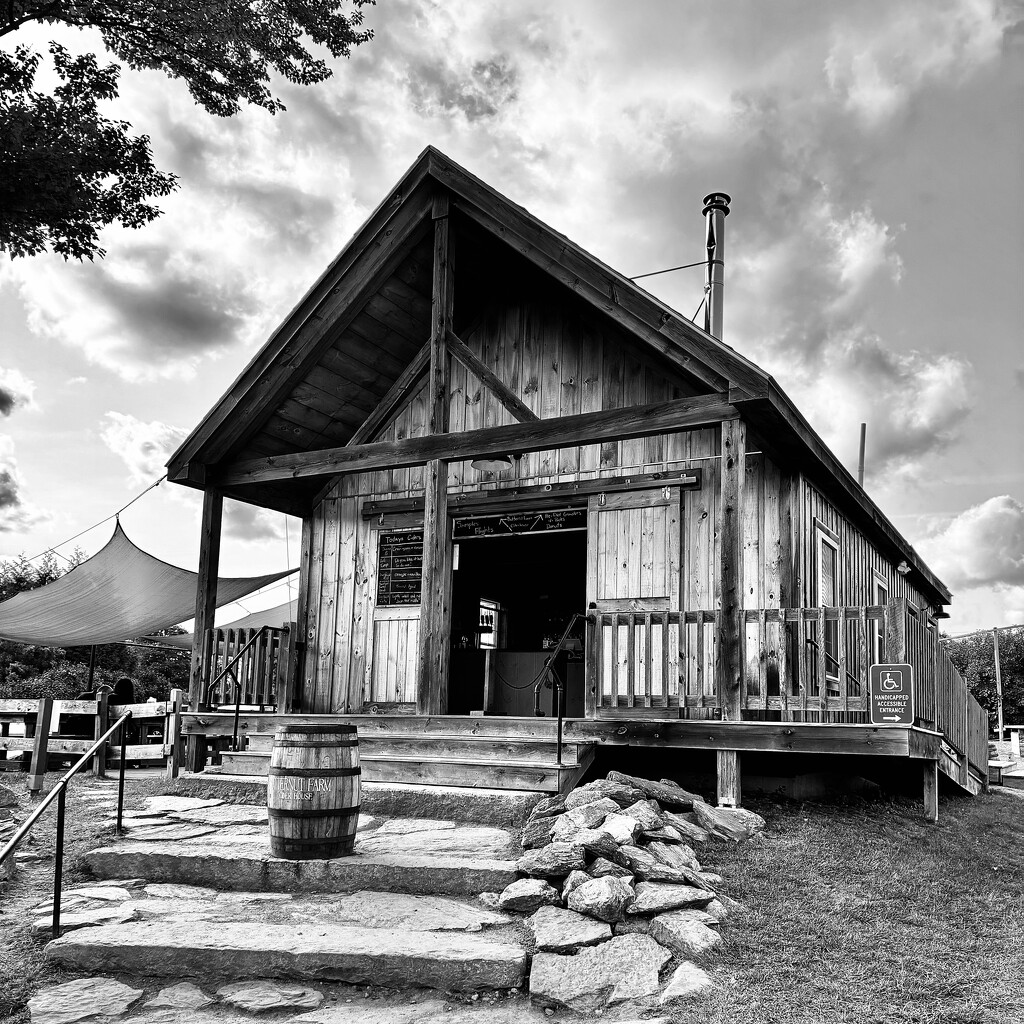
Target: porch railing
(803,664)
(253,664)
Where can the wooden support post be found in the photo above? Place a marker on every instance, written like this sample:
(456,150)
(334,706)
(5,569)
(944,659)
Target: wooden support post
(896,632)
(999,684)
(172,733)
(931,790)
(37,768)
(729,666)
(99,762)
(729,785)
(206,605)
(435,601)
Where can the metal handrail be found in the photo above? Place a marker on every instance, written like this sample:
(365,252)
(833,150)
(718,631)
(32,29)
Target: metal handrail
(549,676)
(58,793)
(229,667)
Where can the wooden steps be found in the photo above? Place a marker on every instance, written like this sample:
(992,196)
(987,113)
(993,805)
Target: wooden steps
(487,762)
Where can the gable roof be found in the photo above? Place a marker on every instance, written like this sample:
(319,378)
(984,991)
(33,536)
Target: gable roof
(365,320)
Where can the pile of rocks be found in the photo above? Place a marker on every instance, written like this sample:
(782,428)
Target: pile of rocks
(615,891)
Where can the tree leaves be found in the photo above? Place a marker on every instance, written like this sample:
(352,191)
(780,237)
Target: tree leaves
(66,171)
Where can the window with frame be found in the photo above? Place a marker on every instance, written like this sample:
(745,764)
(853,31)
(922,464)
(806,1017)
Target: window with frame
(880,596)
(827,550)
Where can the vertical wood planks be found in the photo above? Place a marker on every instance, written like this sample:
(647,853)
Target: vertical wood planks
(729,668)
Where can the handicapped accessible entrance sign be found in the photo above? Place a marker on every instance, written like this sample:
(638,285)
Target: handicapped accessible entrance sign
(891,694)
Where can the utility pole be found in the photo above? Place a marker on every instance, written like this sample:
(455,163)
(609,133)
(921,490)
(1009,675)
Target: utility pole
(999,682)
(860,461)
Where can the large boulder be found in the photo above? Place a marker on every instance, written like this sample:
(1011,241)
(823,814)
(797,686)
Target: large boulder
(667,793)
(537,833)
(604,898)
(529,894)
(676,855)
(596,842)
(624,967)
(735,823)
(659,897)
(623,828)
(564,931)
(683,933)
(603,789)
(549,807)
(572,881)
(555,860)
(688,980)
(645,866)
(647,812)
(602,867)
(8,798)
(587,815)
(690,832)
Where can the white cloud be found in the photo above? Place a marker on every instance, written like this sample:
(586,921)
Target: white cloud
(16,391)
(251,524)
(16,514)
(143,447)
(875,66)
(982,546)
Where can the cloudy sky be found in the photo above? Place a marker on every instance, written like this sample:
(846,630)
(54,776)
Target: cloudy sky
(875,250)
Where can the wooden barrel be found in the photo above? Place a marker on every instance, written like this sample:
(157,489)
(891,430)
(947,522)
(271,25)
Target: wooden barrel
(313,791)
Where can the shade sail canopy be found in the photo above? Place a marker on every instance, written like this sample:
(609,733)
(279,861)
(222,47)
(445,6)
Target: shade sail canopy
(119,594)
(279,615)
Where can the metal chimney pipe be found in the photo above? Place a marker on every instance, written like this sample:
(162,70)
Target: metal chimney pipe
(716,209)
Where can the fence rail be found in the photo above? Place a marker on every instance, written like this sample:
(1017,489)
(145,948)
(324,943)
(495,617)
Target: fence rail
(52,728)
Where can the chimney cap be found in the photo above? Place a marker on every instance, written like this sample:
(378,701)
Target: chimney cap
(717,201)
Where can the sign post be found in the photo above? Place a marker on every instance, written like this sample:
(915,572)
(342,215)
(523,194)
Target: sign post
(891,700)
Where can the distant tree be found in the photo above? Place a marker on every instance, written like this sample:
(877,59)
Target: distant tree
(66,171)
(974,658)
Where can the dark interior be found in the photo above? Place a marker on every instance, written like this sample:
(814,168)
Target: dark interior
(539,580)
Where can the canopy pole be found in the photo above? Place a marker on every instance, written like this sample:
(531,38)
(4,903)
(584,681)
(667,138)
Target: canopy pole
(92,665)
(206,606)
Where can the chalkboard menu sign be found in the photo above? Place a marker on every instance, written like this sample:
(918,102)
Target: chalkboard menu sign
(552,520)
(399,568)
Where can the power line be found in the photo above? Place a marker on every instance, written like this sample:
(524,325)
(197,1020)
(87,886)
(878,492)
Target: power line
(113,515)
(668,270)
(986,629)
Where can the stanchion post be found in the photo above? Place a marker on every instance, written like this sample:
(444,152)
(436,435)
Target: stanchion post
(58,862)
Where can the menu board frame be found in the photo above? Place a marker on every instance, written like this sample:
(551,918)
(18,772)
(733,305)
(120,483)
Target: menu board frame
(399,567)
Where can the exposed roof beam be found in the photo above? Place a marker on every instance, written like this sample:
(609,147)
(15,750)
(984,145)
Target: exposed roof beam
(497,387)
(397,393)
(560,432)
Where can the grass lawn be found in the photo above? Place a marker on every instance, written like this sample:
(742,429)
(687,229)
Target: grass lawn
(864,912)
(856,912)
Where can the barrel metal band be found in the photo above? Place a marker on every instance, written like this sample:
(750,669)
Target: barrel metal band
(294,744)
(313,773)
(327,812)
(342,842)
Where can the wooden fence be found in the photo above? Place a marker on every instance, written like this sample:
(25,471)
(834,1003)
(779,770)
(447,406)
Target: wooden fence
(798,664)
(154,733)
(260,661)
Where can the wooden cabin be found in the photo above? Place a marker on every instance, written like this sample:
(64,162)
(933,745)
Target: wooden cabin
(520,475)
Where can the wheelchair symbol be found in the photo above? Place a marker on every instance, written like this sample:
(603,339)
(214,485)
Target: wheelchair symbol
(890,684)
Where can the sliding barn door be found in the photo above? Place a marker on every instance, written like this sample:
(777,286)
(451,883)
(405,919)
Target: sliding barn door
(633,543)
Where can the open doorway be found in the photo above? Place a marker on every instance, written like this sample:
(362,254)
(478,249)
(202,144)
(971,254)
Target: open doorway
(512,599)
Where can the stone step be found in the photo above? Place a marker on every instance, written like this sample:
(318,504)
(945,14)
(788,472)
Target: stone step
(450,747)
(508,808)
(249,867)
(437,771)
(320,951)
